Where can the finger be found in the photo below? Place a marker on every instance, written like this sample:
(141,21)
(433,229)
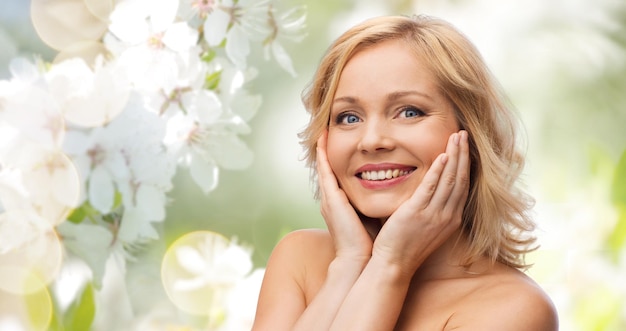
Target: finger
(424,192)
(461,188)
(333,199)
(325,176)
(448,177)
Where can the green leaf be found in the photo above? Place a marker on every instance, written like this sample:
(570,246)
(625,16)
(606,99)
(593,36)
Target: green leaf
(117,200)
(81,312)
(212,81)
(208,55)
(77,215)
(85,210)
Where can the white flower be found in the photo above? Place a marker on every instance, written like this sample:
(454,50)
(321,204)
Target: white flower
(242,302)
(89,97)
(100,162)
(187,90)
(199,271)
(216,22)
(237,22)
(186,139)
(205,139)
(27,105)
(214,263)
(98,145)
(151,41)
(203,131)
(127,157)
(93,243)
(150,171)
(288,25)
(41,180)
(237,101)
(28,246)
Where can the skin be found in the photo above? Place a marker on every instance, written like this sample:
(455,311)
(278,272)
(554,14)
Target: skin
(390,257)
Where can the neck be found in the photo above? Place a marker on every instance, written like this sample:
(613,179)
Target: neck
(446,262)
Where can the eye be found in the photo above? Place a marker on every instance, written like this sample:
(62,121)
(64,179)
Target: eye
(410,111)
(347,118)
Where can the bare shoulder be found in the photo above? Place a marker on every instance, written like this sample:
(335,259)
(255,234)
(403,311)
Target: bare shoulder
(510,300)
(292,276)
(305,254)
(309,243)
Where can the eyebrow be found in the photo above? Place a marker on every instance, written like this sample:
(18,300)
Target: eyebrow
(390,97)
(398,95)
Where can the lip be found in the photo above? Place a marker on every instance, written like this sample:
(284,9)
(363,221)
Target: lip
(383,166)
(383,184)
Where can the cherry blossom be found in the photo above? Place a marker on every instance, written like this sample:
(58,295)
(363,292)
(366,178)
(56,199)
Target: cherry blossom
(89,146)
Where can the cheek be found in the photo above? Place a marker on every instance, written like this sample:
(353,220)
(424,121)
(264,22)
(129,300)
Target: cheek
(334,150)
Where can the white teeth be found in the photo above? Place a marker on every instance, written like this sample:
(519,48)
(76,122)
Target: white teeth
(384,174)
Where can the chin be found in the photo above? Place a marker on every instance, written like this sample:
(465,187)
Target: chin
(375,213)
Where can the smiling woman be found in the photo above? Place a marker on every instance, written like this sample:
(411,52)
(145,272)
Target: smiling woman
(384,121)
(416,160)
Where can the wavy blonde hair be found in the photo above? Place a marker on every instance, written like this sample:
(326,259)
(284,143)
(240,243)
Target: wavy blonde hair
(496,215)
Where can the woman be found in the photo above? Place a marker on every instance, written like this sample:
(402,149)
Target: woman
(416,161)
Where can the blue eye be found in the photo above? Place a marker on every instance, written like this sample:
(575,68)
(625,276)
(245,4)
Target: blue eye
(411,112)
(347,119)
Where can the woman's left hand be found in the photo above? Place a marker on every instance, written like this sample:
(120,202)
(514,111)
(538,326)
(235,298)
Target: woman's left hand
(427,219)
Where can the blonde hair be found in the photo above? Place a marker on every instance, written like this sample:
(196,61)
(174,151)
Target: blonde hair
(496,214)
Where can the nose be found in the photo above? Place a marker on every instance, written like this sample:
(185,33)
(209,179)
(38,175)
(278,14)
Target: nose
(376,137)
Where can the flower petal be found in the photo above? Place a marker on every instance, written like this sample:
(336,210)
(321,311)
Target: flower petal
(282,58)
(150,201)
(245,104)
(128,21)
(207,106)
(90,242)
(101,190)
(136,226)
(215,27)
(204,173)
(162,13)
(180,37)
(189,284)
(237,46)
(234,263)
(190,259)
(232,153)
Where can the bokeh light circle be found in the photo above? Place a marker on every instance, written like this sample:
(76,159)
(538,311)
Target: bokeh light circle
(201,298)
(88,50)
(31,247)
(54,183)
(62,23)
(100,8)
(29,311)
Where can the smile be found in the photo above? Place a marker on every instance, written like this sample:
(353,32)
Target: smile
(384,174)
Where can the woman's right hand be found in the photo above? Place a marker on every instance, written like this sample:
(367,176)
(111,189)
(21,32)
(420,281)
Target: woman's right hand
(352,236)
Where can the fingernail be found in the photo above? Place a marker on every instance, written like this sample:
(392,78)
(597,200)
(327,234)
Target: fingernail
(444,158)
(455,138)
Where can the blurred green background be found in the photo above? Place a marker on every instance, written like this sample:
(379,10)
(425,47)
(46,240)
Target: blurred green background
(563,64)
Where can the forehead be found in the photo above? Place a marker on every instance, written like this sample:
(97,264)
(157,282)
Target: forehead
(386,67)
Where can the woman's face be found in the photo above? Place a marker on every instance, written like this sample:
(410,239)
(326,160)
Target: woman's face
(388,123)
